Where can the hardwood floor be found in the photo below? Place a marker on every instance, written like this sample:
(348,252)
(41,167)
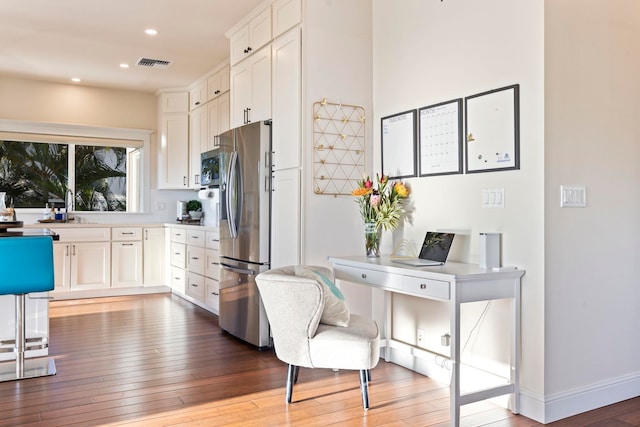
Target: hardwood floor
(157,360)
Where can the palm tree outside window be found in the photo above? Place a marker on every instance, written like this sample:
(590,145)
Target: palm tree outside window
(35,173)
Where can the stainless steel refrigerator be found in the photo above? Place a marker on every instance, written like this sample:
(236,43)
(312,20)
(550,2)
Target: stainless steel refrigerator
(245,224)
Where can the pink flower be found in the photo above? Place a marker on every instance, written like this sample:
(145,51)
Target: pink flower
(374,200)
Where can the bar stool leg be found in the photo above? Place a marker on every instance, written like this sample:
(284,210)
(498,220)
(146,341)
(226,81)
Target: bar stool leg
(21,340)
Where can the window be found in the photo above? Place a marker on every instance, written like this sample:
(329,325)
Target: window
(35,173)
(106,168)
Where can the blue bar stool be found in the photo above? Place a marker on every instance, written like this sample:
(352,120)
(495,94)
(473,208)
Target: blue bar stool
(26,266)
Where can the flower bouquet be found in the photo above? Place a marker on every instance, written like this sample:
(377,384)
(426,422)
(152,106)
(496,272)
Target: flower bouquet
(380,208)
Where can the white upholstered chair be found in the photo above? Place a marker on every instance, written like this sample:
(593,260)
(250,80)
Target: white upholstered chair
(295,304)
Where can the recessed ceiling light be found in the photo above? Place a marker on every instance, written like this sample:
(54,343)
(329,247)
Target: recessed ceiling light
(75,80)
(123,65)
(151,31)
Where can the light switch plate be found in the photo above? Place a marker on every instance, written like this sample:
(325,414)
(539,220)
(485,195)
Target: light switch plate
(574,196)
(493,197)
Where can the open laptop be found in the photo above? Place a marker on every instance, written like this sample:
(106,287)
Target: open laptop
(435,250)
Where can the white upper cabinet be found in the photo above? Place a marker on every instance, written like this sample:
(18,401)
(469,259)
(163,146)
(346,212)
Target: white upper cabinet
(174,102)
(286,14)
(251,37)
(198,138)
(286,56)
(198,95)
(174,151)
(251,89)
(218,83)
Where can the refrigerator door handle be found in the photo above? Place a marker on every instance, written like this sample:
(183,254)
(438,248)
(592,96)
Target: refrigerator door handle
(247,271)
(233,209)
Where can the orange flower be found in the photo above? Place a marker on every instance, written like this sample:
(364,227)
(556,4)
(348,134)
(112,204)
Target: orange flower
(361,191)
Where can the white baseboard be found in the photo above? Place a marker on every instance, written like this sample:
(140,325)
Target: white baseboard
(547,409)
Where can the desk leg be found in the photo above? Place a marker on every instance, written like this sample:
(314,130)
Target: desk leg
(388,300)
(516,342)
(455,358)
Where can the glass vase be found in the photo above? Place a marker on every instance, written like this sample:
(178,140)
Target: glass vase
(372,235)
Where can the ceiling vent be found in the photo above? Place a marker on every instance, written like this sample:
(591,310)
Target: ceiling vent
(154,63)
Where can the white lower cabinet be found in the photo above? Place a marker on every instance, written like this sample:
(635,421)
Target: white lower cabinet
(126,257)
(195,269)
(79,262)
(153,256)
(178,279)
(195,286)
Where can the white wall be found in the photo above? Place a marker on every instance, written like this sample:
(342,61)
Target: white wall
(425,52)
(336,66)
(592,138)
(40,101)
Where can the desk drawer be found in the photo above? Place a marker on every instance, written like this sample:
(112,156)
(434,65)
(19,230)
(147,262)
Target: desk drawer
(368,277)
(426,287)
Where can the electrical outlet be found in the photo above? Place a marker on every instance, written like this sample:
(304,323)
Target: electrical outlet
(420,337)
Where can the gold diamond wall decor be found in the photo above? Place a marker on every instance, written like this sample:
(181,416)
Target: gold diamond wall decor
(338,147)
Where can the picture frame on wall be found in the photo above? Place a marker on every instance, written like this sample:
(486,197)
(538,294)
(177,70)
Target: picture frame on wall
(398,139)
(440,138)
(492,130)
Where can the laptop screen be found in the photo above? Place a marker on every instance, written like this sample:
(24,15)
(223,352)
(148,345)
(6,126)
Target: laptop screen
(436,246)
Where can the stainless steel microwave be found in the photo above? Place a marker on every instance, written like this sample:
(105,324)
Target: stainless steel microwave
(210,168)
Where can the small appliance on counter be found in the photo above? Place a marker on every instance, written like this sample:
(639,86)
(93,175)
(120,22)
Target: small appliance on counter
(181,210)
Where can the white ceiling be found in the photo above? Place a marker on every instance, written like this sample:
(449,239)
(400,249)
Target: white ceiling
(56,40)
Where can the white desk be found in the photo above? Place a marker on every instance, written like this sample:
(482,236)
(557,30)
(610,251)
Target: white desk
(454,282)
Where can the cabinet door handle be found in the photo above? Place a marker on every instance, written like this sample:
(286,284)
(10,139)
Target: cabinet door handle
(146,234)
(126,233)
(197,102)
(215,293)
(423,286)
(194,285)
(73,251)
(364,275)
(184,180)
(195,258)
(249,49)
(196,179)
(127,244)
(248,117)
(66,250)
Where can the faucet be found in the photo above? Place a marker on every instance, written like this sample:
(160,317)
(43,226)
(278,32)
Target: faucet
(68,203)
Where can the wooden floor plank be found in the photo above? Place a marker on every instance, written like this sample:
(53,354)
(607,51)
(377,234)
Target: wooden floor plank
(159,361)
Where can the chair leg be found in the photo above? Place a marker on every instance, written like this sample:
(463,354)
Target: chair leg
(364,387)
(369,375)
(292,377)
(295,377)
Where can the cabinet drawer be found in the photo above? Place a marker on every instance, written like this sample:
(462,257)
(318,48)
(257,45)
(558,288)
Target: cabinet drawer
(196,238)
(195,259)
(178,257)
(212,293)
(426,287)
(179,235)
(178,279)
(369,277)
(195,286)
(84,234)
(212,264)
(126,234)
(213,239)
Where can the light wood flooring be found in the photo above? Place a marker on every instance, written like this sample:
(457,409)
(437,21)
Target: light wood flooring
(157,360)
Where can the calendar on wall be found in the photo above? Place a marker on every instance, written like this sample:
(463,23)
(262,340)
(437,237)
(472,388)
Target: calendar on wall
(338,147)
